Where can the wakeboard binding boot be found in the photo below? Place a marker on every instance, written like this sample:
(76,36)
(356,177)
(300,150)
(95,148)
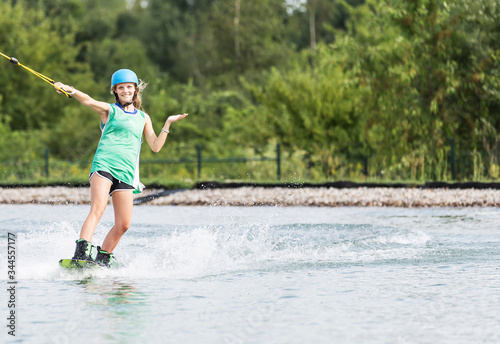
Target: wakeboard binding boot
(84,250)
(104,258)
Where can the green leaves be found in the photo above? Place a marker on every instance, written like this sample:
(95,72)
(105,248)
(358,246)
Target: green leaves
(334,81)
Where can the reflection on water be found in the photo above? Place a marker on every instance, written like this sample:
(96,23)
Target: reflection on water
(113,293)
(119,304)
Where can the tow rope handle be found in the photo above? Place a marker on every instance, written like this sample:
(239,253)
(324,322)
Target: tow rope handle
(41,76)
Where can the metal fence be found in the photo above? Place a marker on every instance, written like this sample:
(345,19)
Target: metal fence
(197,168)
(461,161)
(202,161)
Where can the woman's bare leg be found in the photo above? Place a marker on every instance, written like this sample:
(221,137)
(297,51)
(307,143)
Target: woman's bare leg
(99,191)
(122,204)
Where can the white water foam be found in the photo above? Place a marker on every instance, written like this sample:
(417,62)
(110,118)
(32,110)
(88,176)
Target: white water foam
(198,251)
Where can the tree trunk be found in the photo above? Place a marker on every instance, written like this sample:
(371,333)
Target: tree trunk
(311,7)
(237,52)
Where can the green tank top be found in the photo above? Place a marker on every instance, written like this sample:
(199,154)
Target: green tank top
(120,145)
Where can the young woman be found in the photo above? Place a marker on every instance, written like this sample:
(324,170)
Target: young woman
(115,169)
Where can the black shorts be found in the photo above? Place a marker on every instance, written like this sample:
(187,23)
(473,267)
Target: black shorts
(116,185)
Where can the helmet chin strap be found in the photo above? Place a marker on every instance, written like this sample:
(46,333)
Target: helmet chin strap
(127,104)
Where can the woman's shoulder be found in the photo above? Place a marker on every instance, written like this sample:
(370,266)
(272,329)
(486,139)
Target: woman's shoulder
(144,114)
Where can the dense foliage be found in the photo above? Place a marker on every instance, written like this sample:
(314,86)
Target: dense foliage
(394,89)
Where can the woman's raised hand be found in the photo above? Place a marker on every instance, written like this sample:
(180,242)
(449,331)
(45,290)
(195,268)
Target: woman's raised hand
(175,118)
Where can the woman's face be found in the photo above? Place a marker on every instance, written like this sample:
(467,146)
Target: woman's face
(125,91)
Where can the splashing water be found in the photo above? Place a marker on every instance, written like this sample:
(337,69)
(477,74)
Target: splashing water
(238,275)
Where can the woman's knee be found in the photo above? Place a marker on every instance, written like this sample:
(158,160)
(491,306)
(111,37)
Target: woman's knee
(122,226)
(97,211)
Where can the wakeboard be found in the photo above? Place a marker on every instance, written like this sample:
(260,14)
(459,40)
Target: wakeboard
(78,264)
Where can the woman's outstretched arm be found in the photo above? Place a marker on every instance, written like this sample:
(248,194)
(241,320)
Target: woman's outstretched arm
(101,108)
(157,142)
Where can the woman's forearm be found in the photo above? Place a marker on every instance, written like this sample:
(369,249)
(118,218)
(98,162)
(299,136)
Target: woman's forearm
(101,108)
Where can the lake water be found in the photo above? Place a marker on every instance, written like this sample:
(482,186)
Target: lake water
(258,275)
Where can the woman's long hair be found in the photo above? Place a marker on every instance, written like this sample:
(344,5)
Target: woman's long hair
(137,99)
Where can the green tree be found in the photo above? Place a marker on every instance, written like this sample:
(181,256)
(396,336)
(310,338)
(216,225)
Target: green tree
(27,102)
(316,21)
(454,52)
(311,109)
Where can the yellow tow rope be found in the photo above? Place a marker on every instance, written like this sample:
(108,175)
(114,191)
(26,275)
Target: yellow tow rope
(41,76)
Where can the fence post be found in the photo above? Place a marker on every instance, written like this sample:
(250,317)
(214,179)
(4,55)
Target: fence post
(47,162)
(278,160)
(365,165)
(198,159)
(452,144)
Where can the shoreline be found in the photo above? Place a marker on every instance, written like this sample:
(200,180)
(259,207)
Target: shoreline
(265,196)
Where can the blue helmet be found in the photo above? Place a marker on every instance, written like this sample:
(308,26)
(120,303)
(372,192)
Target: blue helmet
(124,75)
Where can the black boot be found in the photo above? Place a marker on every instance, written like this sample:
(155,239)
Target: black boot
(104,258)
(84,250)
